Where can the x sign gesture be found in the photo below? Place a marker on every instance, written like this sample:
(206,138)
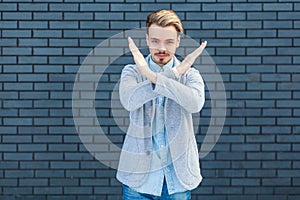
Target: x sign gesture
(144,69)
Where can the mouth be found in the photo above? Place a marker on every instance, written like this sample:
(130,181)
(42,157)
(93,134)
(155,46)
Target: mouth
(161,56)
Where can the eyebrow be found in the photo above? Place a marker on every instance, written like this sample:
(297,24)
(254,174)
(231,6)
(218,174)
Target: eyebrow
(169,40)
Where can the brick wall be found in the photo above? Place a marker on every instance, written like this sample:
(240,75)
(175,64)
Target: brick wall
(256,46)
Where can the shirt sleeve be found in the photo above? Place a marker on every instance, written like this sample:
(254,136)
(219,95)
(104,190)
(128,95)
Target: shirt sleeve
(190,95)
(134,92)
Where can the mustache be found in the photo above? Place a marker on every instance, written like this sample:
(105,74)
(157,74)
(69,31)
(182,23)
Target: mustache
(162,52)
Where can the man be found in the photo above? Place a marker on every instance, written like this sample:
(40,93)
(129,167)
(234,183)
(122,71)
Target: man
(159,158)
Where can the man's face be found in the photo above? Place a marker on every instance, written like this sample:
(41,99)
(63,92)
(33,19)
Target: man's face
(162,43)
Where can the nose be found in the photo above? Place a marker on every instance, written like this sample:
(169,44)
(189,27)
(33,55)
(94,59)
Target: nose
(161,47)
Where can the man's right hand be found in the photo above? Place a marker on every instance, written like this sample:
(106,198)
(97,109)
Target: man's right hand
(140,62)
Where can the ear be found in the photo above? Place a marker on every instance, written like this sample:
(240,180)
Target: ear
(147,39)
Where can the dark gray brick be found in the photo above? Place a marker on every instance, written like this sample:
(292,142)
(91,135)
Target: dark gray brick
(18,156)
(80,173)
(63,7)
(48,156)
(47,33)
(64,165)
(216,7)
(216,25)
(288,51)
(246,182)
(8,42)
(8,148)
(8,183)
(151,7)
(64,182)
(63,147)
(17,191)
(47,16)
(186,7)
(277,24)
(277,112)
(288,33)
(261,51)
(247,25)
(231,16)
(17,15)
(94,25)
(48,190)
(33,25)
(17,121)
(47,51)
(121,25)
(17,50)
(200,16)
(33,7)
(103,190)
(125,7)
(258,190)
(47,139)
(261,172)
(277,60)
(112,16)
(245,165)
(228,190)
(47,103)
(34,182)
(78,190)
(49,173)
(261,15)
(32,147)
(82,16)
(261,33)
(64,25)
(247,7)
(277,6)
(230,33)
(276,181)
(277,42)
(8,7)
(276,164)
(32,42)
(8,25)
(94,7)
(48,86)
(32,60)
(34,164)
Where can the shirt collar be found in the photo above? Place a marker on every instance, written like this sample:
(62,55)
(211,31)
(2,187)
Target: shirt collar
(156,68)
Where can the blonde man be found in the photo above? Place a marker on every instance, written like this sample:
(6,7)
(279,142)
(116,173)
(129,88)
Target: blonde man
(159,158)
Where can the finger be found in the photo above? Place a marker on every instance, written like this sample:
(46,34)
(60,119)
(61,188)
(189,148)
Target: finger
(199,50)
(133,48)
(190,59)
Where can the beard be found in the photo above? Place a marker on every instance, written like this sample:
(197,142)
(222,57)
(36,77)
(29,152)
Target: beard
(162,57)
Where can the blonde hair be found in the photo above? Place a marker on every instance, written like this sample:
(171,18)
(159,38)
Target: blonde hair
(164,18)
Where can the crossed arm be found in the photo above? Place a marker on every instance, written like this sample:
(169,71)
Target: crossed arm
(134,94)
(144,69)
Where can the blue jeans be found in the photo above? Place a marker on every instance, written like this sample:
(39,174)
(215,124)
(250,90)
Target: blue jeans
(130,194)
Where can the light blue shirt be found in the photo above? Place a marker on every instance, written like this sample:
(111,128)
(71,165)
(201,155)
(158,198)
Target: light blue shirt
(154,183)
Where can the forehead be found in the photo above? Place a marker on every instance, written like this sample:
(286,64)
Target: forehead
(162,33)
